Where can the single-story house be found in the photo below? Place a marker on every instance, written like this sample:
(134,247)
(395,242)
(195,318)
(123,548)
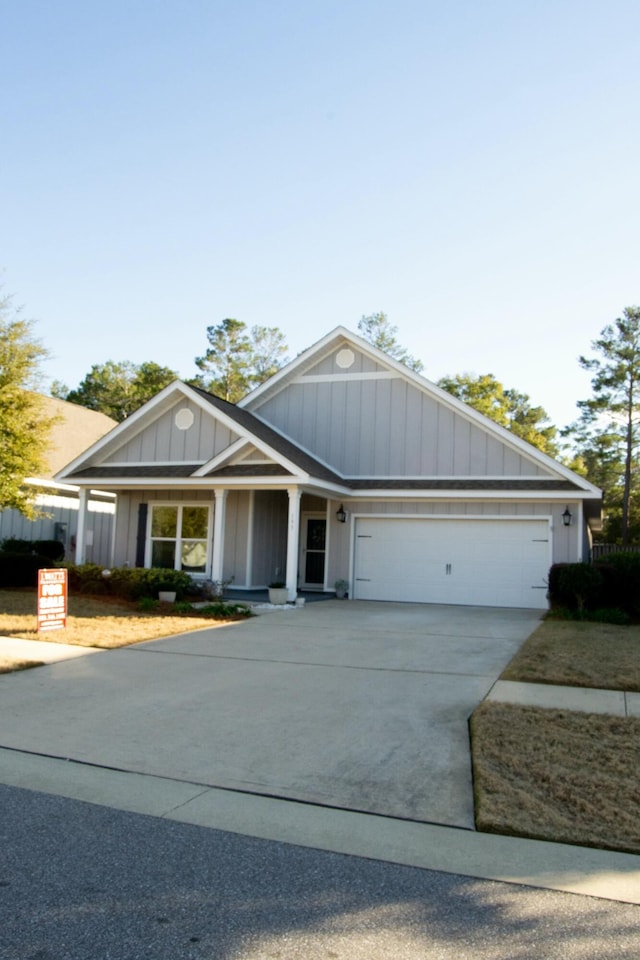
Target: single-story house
(73,429)
(345,465)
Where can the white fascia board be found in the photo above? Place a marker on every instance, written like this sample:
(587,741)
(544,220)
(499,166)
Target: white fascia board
(455,478)
(68,487)
(200,483)
(223,457)
(562,496)
(427,386)
(50,484)
(208,483)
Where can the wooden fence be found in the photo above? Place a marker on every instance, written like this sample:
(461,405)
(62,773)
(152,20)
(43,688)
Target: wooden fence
(602,549)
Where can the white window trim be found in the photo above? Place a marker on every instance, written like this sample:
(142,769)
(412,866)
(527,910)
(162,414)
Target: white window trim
(180,505)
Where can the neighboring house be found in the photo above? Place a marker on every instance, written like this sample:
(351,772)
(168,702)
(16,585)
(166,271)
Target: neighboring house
(344,465)
(74,429)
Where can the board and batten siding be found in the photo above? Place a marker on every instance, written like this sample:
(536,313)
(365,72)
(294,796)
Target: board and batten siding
(127,517)
(163,442)
(269,530)
(63,508)
(270,515)
(361,364)
(236,537)
(388,427)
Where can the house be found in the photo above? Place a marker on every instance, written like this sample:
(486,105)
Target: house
(74,428)
(344,465)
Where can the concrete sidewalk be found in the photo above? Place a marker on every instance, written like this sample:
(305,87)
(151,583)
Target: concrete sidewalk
(551,866)
(41,651)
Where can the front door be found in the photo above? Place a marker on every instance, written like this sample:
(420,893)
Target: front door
(312,551)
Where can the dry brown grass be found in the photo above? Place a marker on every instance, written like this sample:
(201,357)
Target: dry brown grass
(10,666)
(579,654)
(94,621)
(557,775)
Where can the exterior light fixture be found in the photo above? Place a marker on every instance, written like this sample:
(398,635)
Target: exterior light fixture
(567,517)
(341,515)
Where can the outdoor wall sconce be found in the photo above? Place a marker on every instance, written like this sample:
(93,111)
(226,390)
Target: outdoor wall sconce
(566,517)
(341,514)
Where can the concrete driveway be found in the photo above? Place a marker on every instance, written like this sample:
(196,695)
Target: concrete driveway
(351,704)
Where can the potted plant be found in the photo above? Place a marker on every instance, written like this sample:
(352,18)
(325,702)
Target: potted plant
(167,592)
(341,588)
(277,592)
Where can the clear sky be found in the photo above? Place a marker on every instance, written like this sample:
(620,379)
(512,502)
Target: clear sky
(470,168)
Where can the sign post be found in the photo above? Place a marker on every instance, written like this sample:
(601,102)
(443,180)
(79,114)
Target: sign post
(52,599)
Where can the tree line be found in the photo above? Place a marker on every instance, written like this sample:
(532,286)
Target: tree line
(601,444)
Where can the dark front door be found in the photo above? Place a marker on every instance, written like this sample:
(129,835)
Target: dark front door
(314,538)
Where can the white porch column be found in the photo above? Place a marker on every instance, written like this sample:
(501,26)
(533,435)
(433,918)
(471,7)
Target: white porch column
(293,538)
(217,560)
(81,529)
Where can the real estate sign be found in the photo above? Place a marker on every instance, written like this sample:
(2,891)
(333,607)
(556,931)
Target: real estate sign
(52,599)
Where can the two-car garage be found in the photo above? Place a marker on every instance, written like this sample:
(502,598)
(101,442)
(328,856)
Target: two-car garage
(478,561)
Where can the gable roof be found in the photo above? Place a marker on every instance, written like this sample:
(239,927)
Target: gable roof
(341,336)
(279,459)
(289,459)
(73,430)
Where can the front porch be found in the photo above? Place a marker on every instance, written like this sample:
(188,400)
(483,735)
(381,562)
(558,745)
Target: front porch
(244,539)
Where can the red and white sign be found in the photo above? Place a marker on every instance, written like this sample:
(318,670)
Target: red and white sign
(52,599)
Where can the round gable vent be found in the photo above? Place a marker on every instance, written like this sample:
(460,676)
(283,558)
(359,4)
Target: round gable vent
(184,418)
(345,358)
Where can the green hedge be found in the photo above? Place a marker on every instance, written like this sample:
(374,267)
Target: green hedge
(130,583)
(52,549)
(612,583)
(21,569)
(621,581)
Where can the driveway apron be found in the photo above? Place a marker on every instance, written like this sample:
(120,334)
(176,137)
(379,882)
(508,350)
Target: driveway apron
(351,704)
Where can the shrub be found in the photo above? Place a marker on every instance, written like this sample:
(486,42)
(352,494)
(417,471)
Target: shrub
(220,610)
(620,574)
(85,577)
(52,549)
(148,604)
(610,615)
(601,615)
(129,583)
(577,586)
(21,569)
(13,545)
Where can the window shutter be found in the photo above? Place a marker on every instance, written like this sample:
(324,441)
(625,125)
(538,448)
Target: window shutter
(141,541)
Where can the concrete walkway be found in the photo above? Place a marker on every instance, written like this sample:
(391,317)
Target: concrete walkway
(341,728)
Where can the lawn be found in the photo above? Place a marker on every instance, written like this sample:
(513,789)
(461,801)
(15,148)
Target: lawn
(579,654)
(560,775)
(103,622)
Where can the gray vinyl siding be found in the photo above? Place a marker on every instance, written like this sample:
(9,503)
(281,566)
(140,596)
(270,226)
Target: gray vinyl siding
(367,428)
(271,508)
(162,442)
(236,533)
(328,365)
(339,540)
(270,515)
(59,508)
(127,517)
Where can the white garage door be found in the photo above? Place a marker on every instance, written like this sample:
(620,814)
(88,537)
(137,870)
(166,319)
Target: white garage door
(502,563)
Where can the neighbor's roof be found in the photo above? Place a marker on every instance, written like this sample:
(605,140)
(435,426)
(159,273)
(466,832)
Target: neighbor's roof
(75,429)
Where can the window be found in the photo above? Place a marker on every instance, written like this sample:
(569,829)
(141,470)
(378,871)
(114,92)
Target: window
(179,537)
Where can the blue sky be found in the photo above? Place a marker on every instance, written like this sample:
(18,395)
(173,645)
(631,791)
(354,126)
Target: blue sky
(469,168)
